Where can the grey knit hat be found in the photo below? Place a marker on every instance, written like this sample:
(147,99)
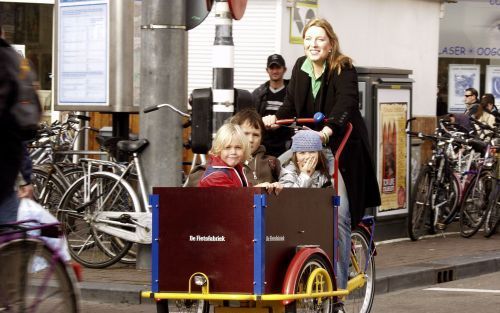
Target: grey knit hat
(306,140)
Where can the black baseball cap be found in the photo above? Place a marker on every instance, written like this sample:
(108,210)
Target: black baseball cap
(275,59)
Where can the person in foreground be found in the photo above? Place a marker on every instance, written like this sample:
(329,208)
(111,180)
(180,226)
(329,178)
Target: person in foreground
(308,166)
(230,149)
(324,80)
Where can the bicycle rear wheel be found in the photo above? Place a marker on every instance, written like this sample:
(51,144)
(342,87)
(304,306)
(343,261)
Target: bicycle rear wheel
(474,204)
(491,216)
(78,212)
(34,280)
(324,305)
(420,215)
(47,190)
(362,263)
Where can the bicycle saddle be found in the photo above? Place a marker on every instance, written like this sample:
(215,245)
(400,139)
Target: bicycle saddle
(132,145)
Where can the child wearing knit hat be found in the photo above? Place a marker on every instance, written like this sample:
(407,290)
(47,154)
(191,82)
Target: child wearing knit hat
(308,167)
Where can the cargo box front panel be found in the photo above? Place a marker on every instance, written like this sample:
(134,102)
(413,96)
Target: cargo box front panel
(207,230)
(211,230)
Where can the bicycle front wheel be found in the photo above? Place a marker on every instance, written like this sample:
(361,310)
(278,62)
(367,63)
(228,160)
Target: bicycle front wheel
(79,209)
(35,280)
(420,215)
(474,204)
(362,263)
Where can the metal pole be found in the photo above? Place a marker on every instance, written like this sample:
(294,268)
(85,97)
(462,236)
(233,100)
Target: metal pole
(163,80)
(223,65)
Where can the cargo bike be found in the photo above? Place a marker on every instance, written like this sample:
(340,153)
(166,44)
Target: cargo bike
(228,250)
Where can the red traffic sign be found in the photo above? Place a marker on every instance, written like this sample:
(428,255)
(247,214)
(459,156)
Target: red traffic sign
(237,8)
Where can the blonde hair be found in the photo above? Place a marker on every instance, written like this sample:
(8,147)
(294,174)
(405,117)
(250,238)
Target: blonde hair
(336,60)
(225,135)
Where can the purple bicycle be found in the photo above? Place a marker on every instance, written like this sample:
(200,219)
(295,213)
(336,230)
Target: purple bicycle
(35,277)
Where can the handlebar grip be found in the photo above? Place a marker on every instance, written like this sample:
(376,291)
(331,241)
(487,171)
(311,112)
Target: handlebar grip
(80,117)
(73,121)
(416,134)
(83,118)
(150,109)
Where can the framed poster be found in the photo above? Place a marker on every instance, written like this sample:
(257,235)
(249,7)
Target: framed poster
(393,109)
(493,82)
(461,77)
(83,53)
(301,13)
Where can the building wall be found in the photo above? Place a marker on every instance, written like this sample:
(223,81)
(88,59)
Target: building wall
(384,33)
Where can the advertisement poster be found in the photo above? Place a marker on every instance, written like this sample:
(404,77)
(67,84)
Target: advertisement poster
(302,12)
(469,29)
(393,155)
(493,82)
(83,56)
(461,77)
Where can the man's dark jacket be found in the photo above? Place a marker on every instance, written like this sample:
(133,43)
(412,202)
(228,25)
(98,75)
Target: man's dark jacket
(275,141)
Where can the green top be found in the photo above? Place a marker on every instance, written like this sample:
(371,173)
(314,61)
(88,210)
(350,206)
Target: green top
(307,67)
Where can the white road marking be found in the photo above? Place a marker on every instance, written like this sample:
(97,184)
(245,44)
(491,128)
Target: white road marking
(389,241)
(464,290)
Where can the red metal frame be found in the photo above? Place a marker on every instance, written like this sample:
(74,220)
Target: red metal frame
(337,157)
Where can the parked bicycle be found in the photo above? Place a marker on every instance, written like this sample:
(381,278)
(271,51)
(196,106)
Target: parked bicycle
(492,216)
(442,182)
(35,277)
(104,212)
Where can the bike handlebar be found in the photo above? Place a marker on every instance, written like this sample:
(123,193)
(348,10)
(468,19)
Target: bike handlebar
(171,107)
(475,143)
(318,118)
(309,120)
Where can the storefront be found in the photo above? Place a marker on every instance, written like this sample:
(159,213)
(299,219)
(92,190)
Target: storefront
(28,26)
(469,51)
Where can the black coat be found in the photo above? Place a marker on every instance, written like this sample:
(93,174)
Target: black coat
(12,153)
(338,100)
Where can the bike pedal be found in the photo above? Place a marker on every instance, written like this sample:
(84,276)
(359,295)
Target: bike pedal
(441,226)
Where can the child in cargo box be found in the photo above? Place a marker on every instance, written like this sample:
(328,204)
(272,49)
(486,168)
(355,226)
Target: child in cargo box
(230,149)
(308,167)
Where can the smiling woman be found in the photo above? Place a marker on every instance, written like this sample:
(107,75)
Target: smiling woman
(324,80)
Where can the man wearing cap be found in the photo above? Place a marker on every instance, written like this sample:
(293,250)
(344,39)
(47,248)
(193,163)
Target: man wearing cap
(267,99)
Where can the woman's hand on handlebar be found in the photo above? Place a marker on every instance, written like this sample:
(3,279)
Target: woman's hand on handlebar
(270,121)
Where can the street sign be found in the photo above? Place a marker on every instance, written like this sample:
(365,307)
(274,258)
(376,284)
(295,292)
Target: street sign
(237,8)
(196,12)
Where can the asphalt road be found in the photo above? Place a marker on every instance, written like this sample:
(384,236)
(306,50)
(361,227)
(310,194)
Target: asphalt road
(478,294)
